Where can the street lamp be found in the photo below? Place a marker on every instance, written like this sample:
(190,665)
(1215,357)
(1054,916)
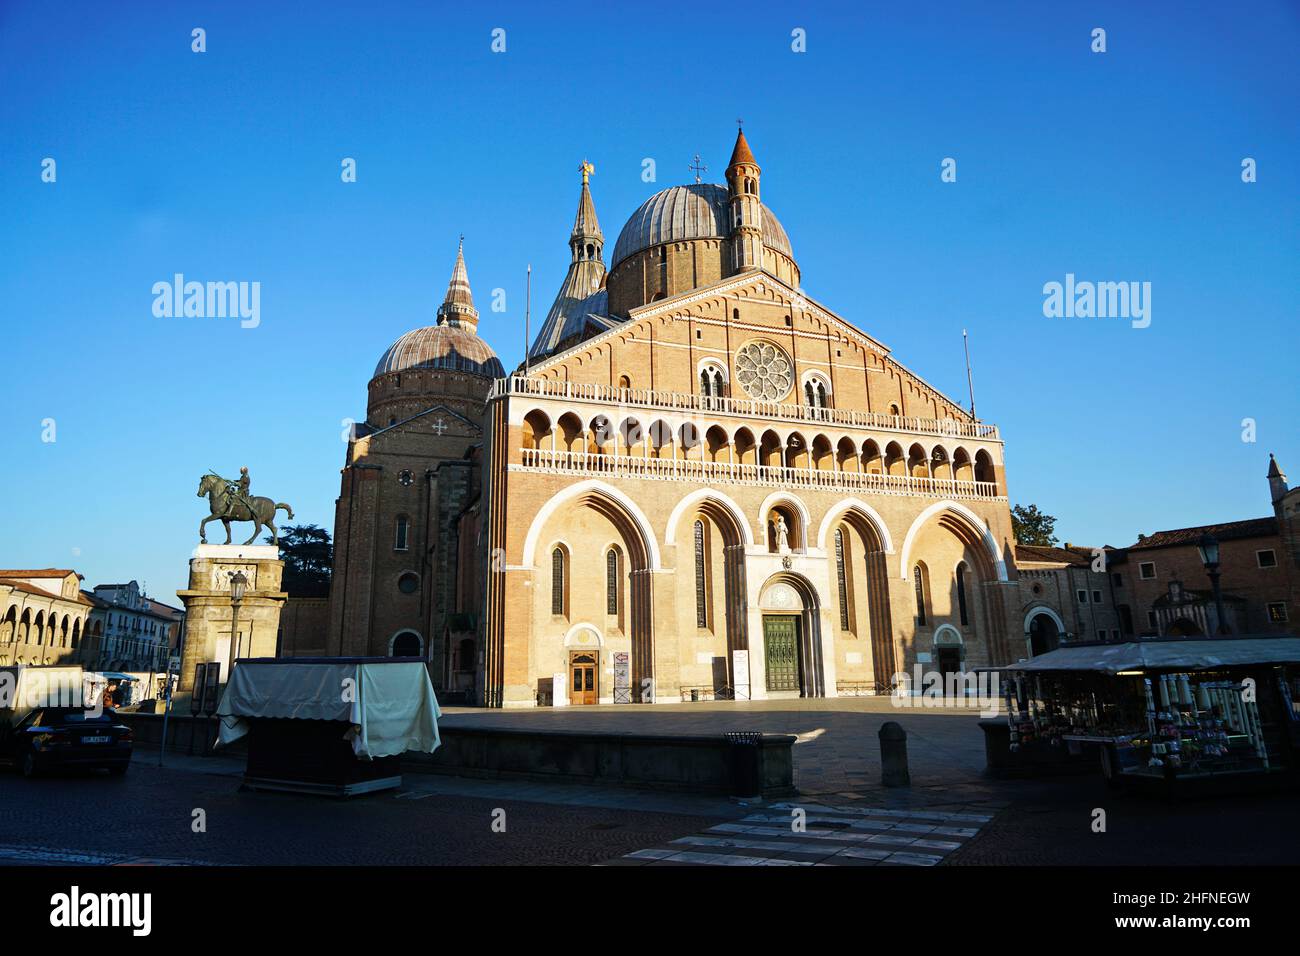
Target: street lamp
(1208,546)
(238,584)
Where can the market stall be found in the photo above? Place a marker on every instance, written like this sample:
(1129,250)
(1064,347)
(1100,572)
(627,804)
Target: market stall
(1182,712)
(328,725)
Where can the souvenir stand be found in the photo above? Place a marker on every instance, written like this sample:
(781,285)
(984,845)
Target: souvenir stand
(331,725)
(1178,712)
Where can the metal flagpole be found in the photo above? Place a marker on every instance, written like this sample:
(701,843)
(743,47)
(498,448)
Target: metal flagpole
(528,306)
(970,382)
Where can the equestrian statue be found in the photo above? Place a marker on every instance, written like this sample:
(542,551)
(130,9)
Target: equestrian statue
(229,501)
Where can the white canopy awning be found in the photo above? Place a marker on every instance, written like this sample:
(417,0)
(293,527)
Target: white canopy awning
(1190,655)
(390,703)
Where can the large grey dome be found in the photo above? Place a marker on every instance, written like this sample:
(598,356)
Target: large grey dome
(448,346)
(695,211)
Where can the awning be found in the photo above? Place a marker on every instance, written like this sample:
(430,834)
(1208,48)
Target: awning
(390,703)
(1191,655)
(116,675)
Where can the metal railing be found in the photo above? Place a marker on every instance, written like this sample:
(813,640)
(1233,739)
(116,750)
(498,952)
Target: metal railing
(692,470)
(745,407)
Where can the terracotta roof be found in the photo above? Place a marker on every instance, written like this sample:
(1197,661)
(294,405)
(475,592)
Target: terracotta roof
(40,592)
(38,573)
(1226,531)
(741,154)
(1076,556)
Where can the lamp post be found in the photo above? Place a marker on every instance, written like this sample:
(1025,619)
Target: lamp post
(1208,546)
(238,583)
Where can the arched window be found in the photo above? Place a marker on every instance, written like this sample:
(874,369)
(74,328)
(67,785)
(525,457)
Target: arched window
(402,533)
(961,593)
(841,579)
(408,644)
(624,382)
(918,582)
(557,581)
(611,581)
(701,588)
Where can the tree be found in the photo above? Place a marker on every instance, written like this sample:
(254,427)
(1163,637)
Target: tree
(1031,526)
(308,559)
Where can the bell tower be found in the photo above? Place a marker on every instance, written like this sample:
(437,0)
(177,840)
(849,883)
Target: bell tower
(745,208)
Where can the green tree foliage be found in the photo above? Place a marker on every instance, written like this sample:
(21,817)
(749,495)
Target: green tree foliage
(308,557)
(1032,526)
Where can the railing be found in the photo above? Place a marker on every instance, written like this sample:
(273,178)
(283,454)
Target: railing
(707,472)
(709,692)
(781,411)
(868,688)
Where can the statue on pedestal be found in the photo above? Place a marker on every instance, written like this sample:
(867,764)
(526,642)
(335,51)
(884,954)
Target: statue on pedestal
(230,501)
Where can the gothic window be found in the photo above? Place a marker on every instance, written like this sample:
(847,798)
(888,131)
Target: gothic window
(841,579)
(611,581)
(918,583)
(701,602)
(401,538)
(557,581)
(961,593)
(711,383)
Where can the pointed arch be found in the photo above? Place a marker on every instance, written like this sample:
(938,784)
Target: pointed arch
(615,504)
(976,527)
(734,515)
(838,511)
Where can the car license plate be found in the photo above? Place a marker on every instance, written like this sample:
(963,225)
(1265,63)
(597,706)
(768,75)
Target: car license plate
(96,740)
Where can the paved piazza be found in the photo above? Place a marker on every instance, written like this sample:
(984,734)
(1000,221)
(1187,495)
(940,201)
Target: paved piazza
(838,751)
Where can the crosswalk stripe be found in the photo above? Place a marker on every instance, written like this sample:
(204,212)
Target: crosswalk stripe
(831,835)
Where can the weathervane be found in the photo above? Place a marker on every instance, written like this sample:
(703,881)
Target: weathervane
(697,167)
(586,169)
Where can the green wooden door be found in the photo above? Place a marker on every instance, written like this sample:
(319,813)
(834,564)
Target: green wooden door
(781,643)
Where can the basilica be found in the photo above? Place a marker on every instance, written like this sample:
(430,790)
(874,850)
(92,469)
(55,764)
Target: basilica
(700,483)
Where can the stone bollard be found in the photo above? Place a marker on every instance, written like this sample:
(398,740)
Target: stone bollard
(893,756)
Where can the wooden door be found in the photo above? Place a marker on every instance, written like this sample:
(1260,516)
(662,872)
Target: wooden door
(584,681)
(781,647)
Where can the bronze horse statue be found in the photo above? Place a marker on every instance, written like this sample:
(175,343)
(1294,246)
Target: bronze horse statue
(256,509)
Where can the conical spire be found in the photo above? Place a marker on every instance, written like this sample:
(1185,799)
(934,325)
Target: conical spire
(586,240)
(581,298)
(741,155)
(458,307)
(1273,470)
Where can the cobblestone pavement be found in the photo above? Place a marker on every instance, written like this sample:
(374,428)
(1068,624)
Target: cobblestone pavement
(146,816)
(792,834)
(838,750)
(1051,823)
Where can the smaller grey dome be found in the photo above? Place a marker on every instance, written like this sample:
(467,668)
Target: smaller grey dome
(448,346)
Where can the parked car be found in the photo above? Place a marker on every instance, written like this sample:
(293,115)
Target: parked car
(49,738)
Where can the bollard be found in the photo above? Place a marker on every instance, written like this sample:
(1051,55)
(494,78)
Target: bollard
(893,756)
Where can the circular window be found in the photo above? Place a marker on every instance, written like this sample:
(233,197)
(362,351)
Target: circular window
(405,477)
(764,371)
(1038,589)
(408,583)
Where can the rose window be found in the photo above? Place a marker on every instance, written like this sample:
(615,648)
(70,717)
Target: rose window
(764,371)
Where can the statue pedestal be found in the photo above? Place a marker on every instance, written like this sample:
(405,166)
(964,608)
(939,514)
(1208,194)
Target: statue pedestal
(209,616)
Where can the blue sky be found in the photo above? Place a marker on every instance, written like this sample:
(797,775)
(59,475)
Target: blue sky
(225,165)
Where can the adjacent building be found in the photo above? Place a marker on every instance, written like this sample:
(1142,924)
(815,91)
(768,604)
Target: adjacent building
(1162,587)
(131,631)
(45,617)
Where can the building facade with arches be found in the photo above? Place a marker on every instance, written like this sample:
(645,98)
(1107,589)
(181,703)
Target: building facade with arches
(725,488)
(44,617)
